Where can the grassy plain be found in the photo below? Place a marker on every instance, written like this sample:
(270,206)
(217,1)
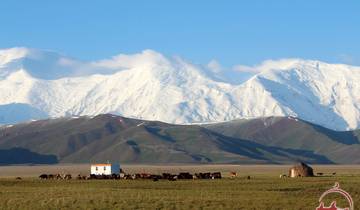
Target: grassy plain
(265,190)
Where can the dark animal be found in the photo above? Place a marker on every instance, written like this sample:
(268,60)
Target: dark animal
(18,178)
(168,176)
(173,178)
(127,176)
(216,175)
(93,176)
(320,173)
(203,175)
(114,176)
(43,176)
(79,177)
(105,176)
(185,175)
(154,176)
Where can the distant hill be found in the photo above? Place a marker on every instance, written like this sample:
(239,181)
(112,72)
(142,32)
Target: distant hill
(113,138)
(292,133)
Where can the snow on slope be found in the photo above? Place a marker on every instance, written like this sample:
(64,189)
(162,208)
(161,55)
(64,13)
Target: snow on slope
(152,86)
(325,94)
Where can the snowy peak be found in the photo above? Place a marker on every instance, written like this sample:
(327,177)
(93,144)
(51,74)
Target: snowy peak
(151,66)
(152,86)
(327,94)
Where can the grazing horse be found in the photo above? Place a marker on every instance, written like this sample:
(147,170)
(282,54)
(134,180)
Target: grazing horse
(283,175)
(121,175)
(168,176)
(93,176)
(173,178)
(43,176)
(203,175)
(115,176)
(127,176)
(216,175)
(67,177)
(185,175)
(233,174)
(58,176)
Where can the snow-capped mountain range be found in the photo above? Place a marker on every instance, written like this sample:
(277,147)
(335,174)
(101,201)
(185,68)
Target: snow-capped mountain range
(37,84)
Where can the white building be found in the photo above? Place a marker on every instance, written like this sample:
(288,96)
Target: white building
(105,169)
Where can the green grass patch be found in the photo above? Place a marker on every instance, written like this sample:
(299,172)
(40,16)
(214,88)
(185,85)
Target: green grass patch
(260,192)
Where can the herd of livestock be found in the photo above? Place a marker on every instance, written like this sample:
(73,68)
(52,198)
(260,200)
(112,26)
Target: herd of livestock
(154,177)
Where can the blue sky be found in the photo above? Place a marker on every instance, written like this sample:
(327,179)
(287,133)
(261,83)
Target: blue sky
(232,32)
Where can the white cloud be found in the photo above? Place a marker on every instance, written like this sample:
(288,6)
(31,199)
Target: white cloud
(122,61)
(214,66)
(267,65)
(146,58)
(246,69)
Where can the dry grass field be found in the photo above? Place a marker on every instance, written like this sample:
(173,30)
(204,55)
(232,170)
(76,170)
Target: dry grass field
(265,190)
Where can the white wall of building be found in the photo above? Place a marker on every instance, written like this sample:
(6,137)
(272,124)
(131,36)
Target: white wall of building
(105,169)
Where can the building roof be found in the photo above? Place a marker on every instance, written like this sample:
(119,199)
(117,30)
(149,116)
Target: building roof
(101,164)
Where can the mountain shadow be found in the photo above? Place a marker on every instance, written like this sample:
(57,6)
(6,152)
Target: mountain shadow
(24,156)
(343,137)
(261,152)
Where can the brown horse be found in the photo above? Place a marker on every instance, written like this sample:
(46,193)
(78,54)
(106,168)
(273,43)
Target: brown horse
(67,177)
(58,176)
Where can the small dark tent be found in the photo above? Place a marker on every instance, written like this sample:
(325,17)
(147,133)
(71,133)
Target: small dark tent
(301,170)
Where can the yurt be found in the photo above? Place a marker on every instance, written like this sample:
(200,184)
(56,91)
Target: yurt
(301,170)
